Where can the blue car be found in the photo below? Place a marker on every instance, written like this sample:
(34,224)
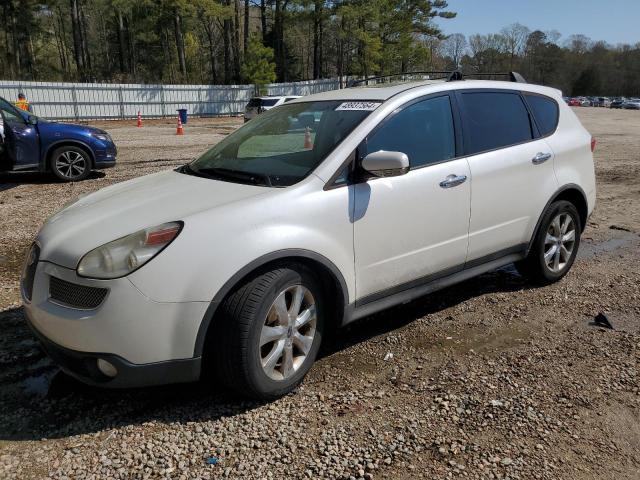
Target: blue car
(70,152)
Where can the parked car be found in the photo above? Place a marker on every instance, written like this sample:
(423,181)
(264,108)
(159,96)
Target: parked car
(241,262)
(585,102)
(575,102)
(632,104)
(68,151)
(617,103)
(258,105)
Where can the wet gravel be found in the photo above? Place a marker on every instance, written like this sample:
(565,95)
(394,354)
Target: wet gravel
(492,378)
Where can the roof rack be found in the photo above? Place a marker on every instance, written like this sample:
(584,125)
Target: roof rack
(449,76)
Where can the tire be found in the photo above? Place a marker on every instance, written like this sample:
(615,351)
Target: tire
(250,344)
(70,164)
(560,250)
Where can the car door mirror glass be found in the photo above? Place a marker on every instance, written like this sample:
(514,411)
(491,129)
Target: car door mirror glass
(32,120)
(386,164)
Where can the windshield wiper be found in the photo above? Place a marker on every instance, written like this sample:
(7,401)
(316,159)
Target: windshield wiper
(235,175)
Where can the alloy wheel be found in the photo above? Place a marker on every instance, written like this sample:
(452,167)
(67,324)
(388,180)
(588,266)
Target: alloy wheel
(559,242)
(288,332)
(71,164)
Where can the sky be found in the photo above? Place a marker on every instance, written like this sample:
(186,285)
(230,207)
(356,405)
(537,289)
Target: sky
(614,21)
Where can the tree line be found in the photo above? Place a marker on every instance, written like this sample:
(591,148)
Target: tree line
(261,41)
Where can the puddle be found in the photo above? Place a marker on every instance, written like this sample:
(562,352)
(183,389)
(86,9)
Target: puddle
(608,246)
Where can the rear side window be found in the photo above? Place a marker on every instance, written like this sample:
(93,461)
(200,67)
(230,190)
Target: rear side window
(494,120)
(424,131)
(545,111)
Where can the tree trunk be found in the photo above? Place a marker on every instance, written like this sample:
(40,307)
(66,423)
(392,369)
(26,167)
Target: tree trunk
(77,38)
(278,31)
(236,40)
(83,37)
(245,32)
(210,31)
(122,41)
(317,39)
(227,49)
(131,58)
(182,62)
(263,20)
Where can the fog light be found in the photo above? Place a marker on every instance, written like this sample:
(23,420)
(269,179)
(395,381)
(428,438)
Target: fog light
(108,369)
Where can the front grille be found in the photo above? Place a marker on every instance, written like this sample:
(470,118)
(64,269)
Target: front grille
(31,263)
(74,295)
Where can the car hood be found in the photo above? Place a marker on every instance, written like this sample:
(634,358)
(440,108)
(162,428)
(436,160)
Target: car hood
(60,127)
(127,207)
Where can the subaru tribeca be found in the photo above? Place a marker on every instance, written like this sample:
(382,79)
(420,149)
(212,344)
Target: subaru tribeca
(315,214)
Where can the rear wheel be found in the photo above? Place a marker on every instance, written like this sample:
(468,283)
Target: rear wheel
(555,245)
(70,164)
(268,333)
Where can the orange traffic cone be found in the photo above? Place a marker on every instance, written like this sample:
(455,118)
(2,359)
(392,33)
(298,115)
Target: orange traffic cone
(180,129)
(307,139)
(139,119)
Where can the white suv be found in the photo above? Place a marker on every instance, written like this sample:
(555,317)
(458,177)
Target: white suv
(313,215)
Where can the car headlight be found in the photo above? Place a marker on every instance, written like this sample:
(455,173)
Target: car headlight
(102,136)
(127,254)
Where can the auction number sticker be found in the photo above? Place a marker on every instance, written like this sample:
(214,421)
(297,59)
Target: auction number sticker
(363,106)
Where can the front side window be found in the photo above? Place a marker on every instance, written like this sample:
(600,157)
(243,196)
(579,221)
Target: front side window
(424,131)
(494,120)
(546,112)
(10,114)
(281,146)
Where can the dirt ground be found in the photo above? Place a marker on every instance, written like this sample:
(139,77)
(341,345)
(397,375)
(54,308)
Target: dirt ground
(492,378)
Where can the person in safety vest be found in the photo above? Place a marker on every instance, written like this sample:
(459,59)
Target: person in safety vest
(23,103)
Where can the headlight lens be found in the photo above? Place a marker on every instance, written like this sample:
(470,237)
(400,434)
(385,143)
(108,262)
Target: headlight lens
(123,256)
(102,136)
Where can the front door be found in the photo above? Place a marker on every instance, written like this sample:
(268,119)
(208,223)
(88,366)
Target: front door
(412,228)
(22,142)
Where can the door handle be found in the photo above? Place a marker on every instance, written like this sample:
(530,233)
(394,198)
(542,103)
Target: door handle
(540,158)
(453,181)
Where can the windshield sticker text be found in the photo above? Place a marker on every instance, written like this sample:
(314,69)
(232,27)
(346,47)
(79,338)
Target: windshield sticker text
(367,106)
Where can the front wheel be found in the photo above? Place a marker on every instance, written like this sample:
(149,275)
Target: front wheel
(268,333)
(70,164)
(555,245)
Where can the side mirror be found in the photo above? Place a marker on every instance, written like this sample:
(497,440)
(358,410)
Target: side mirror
(386,164)
(32,120)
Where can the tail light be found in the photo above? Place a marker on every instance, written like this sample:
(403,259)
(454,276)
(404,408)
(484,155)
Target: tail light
(593,144)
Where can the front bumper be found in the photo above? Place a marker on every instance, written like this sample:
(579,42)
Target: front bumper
(84,367)
(148,342)
(105,158)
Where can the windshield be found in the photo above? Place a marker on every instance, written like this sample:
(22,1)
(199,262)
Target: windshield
(281,146)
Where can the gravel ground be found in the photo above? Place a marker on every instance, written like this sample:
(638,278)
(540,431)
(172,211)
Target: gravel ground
(488,379)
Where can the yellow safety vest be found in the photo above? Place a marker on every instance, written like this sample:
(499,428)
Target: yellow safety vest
(23,104)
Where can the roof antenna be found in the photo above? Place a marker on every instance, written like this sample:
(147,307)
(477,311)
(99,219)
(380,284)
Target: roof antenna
(516,77)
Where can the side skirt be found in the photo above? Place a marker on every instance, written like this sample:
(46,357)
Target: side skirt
(363,308)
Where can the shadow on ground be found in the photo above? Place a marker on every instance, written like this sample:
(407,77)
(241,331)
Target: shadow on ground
(10,180)
(38,401)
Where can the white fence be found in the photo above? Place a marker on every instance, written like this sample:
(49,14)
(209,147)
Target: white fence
(90,101)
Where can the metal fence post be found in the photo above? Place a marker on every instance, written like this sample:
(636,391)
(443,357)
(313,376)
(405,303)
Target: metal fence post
(121,101)
(74,98)
(163,105)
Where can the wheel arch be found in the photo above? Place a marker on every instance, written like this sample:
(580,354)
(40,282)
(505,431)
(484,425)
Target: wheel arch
(67,143)
(330,276)
(572,193)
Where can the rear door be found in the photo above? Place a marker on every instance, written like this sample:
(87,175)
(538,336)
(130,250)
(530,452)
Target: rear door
(412,228)
(511,168)
(21,139)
